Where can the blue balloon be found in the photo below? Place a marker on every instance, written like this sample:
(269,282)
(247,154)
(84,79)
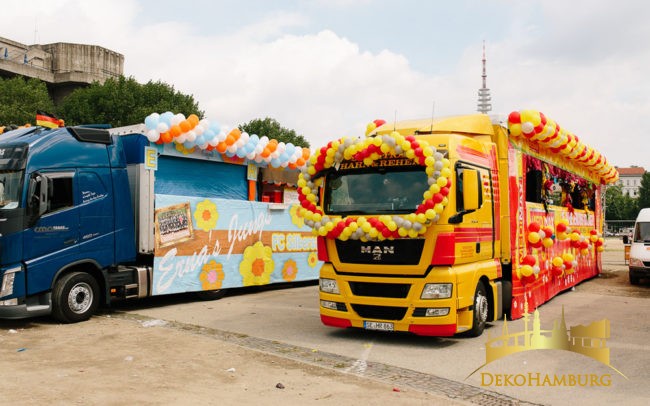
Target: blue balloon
(189,144)
(167,117)
(209,134)
(214,126)
(290,149)
(200,140)
(254,139)
(275,162)
(241,153)
(151,122)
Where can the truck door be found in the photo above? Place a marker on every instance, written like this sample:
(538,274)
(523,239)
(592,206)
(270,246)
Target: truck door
(96,217)
(51,239)
(477,224)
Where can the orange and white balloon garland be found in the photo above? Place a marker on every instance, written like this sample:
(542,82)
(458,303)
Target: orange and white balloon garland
(368,150)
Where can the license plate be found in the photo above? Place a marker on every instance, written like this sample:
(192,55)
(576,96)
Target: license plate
(378,325)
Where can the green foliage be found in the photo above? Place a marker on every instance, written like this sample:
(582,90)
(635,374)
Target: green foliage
(123,101)
(619,206)
(643,200)
(272,129)
(20,99)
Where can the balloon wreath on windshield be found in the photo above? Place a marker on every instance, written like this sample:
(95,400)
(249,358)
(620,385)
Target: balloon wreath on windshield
(368,150)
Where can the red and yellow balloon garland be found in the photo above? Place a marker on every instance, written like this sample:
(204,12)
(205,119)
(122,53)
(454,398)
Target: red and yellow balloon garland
(368,150)
(537,129)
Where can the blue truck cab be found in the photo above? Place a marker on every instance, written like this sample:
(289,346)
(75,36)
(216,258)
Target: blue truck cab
(66,222)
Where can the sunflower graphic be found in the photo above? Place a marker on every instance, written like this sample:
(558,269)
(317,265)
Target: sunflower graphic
(312,259)
(212,275)
(296,218)
(257,265)
(206,215)
(289,270)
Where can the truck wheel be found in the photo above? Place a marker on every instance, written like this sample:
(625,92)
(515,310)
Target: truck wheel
(634,280)
(481,307)
(75,297)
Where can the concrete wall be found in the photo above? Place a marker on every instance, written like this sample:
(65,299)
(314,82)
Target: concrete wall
(62,66)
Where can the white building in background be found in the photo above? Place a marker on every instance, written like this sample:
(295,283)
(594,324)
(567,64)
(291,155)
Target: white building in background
(630,180)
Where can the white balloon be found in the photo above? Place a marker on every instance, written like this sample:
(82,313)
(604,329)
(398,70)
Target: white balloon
(177,119)
(162,128)
(153,135)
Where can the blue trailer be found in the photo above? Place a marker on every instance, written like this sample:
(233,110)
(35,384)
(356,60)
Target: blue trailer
(89,216)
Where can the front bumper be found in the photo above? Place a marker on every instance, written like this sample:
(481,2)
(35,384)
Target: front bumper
(33,307)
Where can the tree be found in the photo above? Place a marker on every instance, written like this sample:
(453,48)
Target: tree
(123,101)
(20,99)
(272,129)
(619,206)
(644,192)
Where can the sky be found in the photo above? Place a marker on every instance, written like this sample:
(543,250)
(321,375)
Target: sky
(327,68)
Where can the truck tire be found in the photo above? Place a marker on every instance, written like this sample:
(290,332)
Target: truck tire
(634,280)
(481,310)
(75,297)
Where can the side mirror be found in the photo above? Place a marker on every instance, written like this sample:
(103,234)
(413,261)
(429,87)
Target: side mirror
(471,189)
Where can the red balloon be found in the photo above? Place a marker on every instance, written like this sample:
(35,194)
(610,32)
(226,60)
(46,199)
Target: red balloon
(529,260)
(514,118)
(534,227)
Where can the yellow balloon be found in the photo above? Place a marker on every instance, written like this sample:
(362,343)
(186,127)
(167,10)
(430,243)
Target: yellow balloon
(533,237)
(557,261)
(526,270)
(547,242)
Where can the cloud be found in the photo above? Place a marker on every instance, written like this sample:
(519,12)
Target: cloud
(581,63)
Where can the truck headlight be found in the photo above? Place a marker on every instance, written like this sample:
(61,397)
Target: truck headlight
(636,262)
(328,286)
(436,291)
(7,287)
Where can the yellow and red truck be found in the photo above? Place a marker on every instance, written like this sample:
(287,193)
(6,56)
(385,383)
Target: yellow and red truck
(439,226)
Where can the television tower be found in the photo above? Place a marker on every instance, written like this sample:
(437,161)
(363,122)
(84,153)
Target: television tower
(484,98)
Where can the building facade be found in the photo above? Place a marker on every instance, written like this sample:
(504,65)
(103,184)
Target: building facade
(62,66)
(630,180)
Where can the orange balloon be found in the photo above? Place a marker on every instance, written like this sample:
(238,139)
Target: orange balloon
(292,166)
(300,162)
(229,140)
(193,119)
(185,126)
(235,133)
(266,153)
(221,147)
(175,131)
(305,153)
(166,137)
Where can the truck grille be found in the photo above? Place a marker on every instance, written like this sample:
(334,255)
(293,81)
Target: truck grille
(379,312)
(387,252)
(394,290)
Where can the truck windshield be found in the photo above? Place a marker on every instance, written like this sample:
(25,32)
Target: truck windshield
(10,189)
(375,192)
(642,232)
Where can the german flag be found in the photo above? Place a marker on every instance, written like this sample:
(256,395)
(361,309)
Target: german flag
(48,120)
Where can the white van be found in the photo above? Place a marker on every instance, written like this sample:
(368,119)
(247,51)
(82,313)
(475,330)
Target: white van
(640,249)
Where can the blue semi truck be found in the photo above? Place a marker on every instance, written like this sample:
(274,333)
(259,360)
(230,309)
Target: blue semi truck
(90,215)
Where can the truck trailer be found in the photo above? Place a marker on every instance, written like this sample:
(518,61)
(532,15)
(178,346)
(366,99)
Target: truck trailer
(91,215)
(439,226)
